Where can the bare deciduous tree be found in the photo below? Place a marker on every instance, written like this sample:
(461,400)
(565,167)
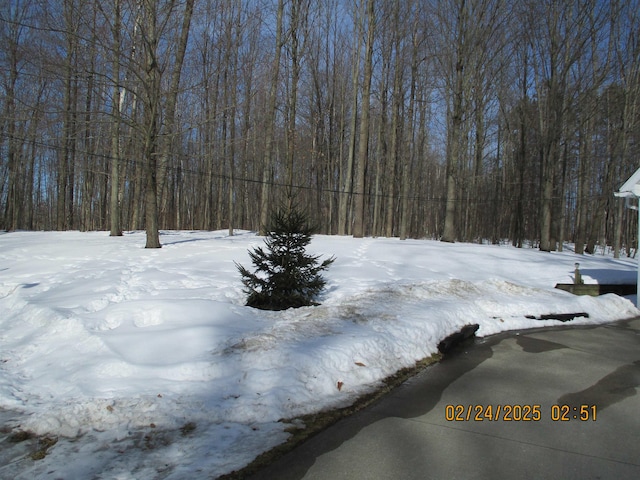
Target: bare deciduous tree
(363,145)
(400,118)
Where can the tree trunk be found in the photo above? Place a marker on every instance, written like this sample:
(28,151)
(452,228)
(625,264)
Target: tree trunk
(65,162)
(396,126)
(151,124)
(270,126)
(347,174)
(363,146)
(628,63)
(455,126)
(230,154)
(114,204)
(170,134)
(13,200)
(405,217)
(583,190)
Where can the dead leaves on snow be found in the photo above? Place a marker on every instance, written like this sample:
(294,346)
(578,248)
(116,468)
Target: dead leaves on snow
(341,384)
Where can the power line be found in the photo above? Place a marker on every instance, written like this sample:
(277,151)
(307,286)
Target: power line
(198,172)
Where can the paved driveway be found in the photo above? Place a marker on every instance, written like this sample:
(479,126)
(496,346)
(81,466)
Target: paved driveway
(445,423)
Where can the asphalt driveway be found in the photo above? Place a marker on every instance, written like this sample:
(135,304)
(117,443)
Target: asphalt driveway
(554,403)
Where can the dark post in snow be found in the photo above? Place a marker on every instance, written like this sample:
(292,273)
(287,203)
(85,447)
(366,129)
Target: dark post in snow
(577,276)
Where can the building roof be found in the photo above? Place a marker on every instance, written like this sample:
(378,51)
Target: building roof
(630,188)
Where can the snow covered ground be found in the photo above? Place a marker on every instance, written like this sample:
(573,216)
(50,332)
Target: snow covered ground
(146,364)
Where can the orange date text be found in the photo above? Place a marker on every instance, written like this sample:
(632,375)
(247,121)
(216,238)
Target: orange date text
(493,413)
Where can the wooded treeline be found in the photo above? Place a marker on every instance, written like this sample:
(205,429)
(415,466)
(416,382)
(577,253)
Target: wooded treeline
(463,120)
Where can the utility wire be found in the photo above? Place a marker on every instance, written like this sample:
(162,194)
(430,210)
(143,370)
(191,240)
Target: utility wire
(198,172)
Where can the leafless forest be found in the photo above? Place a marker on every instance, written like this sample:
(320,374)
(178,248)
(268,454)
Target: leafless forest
(462,120)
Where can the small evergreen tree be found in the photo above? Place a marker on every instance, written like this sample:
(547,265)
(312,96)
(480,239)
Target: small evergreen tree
(285,275)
